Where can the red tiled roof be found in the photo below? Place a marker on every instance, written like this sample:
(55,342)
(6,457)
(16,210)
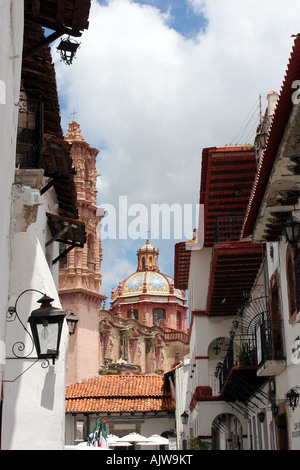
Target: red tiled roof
(116,393)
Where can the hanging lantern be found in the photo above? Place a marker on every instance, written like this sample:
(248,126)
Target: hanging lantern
(291,230)
(46,325)
(292,398)
(72,321)
(67,50)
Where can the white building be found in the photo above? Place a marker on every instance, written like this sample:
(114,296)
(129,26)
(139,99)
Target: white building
(38,209)
(243,286)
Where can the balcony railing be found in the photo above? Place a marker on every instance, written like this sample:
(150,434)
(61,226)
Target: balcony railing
(254,350)
(270,341)
(228,228)
(241,352)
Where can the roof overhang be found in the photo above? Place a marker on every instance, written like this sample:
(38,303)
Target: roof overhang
(276,188)
(69,17)
(227,177)
(70,232)
(182,261)
(234,269)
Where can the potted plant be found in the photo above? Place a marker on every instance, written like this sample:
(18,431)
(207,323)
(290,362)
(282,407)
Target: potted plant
(243,355)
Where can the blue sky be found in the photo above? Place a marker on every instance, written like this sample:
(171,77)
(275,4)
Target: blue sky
(155,82)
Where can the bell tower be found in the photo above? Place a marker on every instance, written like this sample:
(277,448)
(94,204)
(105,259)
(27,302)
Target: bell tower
(80,272)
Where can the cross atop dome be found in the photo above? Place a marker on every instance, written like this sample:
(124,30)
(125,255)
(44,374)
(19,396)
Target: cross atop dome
(148,257)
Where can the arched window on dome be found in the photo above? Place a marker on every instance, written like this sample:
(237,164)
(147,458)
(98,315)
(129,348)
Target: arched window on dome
(143,262)
(158,315)
(179,320)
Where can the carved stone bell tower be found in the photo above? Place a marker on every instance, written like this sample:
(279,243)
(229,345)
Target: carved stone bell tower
(80,273)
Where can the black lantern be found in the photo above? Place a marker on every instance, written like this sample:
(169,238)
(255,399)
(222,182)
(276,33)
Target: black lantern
(72,321)
(46,325)
(274,409)
(67,50)
(261,416)
(292,398)
(291,230)
(261,139)
(216,350)
(184,417)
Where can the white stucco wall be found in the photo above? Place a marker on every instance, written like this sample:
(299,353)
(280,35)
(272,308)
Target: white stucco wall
(11,39)
(33,410)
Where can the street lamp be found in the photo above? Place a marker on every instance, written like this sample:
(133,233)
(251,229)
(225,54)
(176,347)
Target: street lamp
(46,324)
(72,321)
(292,397)
(184,417)
(67,50)
(261,139)
(291,230)
(261,416)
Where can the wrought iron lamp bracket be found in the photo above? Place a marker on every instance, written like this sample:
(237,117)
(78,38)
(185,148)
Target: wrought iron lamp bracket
(19,346)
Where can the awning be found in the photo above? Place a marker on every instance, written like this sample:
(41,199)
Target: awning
(71,232)
(181,265)
(227,177)
(234,268)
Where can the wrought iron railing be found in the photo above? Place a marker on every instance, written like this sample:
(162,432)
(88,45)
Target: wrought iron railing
(30,128)
(228,228)
(270,341)
(253,350)
(241,352)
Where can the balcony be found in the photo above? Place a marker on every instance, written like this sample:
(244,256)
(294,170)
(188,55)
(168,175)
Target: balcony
(250,359)
(270,351)
(238,375)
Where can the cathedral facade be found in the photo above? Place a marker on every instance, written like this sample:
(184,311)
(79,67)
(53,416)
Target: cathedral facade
(145,330)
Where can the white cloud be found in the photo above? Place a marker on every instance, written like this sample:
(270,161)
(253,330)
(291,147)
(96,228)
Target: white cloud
(152,99)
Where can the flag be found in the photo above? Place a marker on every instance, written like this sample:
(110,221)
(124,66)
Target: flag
(98,436)
(103,435)
(172,389)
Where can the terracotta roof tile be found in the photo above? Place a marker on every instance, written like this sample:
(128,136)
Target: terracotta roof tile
(116,393)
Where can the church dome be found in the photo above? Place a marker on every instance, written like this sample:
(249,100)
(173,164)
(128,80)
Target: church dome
(147,279)
(148,282)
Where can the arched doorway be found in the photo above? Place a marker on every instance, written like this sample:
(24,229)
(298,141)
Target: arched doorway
(227,432)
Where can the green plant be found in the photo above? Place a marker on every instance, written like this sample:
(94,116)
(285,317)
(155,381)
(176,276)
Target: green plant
(198,444)
(243,351)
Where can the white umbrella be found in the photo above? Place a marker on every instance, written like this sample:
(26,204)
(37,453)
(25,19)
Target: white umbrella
(133,437)
(159,440)
(154,440)
(120,443)
(112,438)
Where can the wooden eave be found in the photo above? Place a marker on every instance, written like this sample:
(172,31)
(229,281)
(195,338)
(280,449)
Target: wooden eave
(70,232)
(226,182)
(234,269)
(67,16)
(276,187)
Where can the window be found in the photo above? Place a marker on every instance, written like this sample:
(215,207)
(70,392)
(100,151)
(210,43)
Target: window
(179,321)
(275,313)
(291,279)
(158,315)
(297,279)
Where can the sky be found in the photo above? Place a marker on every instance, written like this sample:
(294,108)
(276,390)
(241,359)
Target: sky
(156,81)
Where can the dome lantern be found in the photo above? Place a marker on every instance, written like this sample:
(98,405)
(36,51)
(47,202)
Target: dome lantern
(148,257)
